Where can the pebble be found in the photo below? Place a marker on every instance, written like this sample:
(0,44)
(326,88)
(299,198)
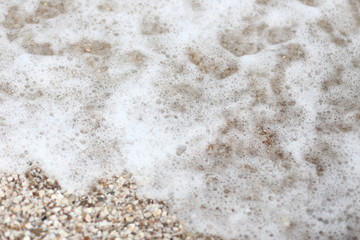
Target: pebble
(156,212)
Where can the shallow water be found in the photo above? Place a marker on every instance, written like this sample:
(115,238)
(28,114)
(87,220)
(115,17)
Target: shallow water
(244,115)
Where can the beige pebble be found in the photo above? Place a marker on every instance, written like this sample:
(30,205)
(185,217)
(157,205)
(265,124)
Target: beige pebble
(65,201)
(129,218)
(28,225)
(16,209)
(41,193)
(88,210)
(56,209)
(156,212)
(104,212)
(67,209)
(87,218)
(131,227)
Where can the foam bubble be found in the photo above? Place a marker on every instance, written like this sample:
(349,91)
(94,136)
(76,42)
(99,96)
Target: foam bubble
(242,114)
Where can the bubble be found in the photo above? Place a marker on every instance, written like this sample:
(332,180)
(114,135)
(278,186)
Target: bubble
(242,115)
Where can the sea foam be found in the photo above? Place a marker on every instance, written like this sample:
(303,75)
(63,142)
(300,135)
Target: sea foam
(243,115)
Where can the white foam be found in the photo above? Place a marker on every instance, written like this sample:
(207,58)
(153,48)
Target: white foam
(219,107)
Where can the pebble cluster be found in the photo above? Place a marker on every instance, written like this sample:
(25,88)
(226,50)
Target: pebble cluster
(33,206)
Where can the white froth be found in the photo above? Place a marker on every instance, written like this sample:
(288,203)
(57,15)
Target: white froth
(244,115)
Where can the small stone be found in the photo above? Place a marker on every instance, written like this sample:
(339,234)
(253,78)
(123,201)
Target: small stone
(88,210)
(36,231)
(78,228)
(156,212)
(129,218)
(104,212)
(7,219)
(131,227)
(41,193)
(28,225)
(65,201)
(16,209)
(87,218)
(63,233)
(17,199)
(67,209)
(56,209)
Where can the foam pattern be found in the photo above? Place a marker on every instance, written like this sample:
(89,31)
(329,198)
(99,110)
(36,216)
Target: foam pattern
(243,115)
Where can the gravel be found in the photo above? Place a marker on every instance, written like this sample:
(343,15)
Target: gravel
(34,206)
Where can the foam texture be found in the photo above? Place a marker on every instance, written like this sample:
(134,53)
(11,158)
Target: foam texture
(243,115)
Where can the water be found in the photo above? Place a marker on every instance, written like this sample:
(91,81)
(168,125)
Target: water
(244,115)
